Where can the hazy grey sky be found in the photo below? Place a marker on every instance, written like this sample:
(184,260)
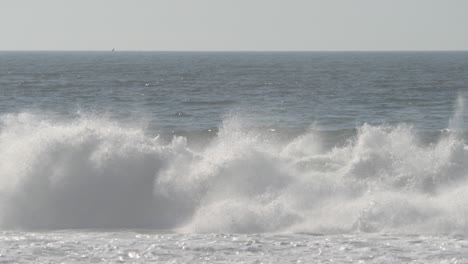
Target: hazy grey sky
(234,24)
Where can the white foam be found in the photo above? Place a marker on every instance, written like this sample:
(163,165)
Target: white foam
(95,173)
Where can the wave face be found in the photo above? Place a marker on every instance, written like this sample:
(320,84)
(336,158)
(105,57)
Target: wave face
(96,173)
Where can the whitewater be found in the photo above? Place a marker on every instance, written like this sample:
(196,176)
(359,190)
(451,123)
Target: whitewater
(96,174)
(97,186)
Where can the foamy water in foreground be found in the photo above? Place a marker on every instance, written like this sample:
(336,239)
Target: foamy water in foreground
(147,247)
(230,158)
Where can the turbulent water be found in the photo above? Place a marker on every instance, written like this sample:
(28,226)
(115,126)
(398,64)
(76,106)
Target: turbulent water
(233,157)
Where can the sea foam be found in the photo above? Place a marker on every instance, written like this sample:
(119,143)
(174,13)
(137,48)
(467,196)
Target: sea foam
(97,173)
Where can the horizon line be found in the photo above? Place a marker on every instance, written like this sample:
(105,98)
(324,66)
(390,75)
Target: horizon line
(284,51)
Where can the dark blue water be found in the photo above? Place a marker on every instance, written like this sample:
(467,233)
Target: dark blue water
(172,91)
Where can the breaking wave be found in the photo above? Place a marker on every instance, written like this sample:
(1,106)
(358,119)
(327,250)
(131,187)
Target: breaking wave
(97,173)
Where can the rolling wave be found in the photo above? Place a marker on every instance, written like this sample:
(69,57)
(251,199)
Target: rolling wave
(96,173)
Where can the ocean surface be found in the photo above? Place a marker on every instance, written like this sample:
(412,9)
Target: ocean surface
(233,157)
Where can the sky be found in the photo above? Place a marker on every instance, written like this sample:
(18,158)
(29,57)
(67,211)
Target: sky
(234,25)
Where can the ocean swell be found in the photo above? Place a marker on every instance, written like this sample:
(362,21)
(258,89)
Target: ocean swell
(96,173)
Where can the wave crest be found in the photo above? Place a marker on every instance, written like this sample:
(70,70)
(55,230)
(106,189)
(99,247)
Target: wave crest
(95,173)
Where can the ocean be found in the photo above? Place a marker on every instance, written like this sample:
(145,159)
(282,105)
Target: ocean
(233,157)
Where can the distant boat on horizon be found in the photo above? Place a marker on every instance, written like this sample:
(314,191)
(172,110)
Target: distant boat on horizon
(113,50)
